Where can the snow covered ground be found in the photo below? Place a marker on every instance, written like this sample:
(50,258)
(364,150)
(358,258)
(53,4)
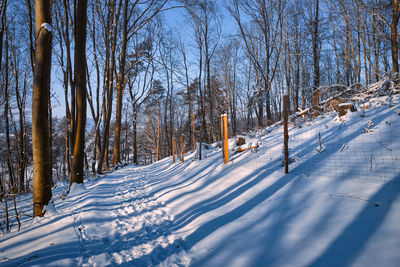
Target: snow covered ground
(336,207)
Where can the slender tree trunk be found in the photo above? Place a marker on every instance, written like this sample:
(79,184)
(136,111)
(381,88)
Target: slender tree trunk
(202,109)
(192,141)
(268,105)
(315,46)
(120,88)
(210,93)
(106,158)
(96,114)
(31,34)
(67,152)
(158,140)
(22,152)
(134,137)
(366,51)
(77,171)
(171,111)
(393,35)
(11,178)
(338,75)
(41,93)
(375,41)
(51,136)
(303,87)
(109,88)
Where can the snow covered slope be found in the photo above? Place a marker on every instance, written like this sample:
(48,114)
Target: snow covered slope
(336,207)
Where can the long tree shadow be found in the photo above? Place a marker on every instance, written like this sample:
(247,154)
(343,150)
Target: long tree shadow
(222,198)
(48,255)
(243,239)
(213,176)
(213,225)
(345,249)
(182,183)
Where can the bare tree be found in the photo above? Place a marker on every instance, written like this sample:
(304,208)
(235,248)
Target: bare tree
(110,25)
(134,18)
(263,49)
(190,92)
(140,81)
(228,60)
(64,21)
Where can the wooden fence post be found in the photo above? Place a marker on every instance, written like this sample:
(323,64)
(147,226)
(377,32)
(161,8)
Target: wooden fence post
(222,136)
(225,130)
(173,150)
(285,132)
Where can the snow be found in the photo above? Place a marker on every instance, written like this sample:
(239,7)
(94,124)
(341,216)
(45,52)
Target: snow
(344,104)
(332,209)
(49,209)
(47,26)
(77,189)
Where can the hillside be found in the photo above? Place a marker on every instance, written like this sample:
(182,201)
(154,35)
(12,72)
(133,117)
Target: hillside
(338,206)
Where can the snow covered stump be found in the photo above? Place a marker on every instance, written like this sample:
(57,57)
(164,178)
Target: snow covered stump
(344,107)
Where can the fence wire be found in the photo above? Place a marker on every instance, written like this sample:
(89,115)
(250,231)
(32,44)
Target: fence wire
(358,145)
(364,144)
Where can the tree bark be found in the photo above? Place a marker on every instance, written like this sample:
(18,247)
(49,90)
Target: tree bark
(315,44)
(11,178)
(134,136)
(41,93)
(393,35)
(109,83)
(120,88)
(80,82)
(21,100)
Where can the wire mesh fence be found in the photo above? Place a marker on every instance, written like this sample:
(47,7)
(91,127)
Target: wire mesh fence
(363,143)
(353,146)
(359,139)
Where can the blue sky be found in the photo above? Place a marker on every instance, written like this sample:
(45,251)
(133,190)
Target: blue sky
(176,20)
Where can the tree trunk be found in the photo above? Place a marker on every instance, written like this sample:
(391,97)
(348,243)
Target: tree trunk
(315,45)
(109,81)
(80,82)
(22,152)
(67,152)
(50,136)
(268,105)
(40,95)
(11,178)
(120,88)
(158,140)
(134,137)
(393,35)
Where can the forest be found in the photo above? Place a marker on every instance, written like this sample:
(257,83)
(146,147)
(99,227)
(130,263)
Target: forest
(131,82)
